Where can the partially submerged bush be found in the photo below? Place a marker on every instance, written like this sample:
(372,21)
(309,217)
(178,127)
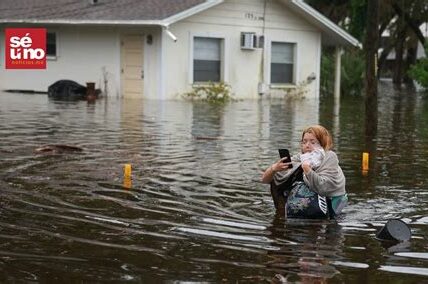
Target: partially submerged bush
(419,71)
(296,92)
(300,91)
(211,92)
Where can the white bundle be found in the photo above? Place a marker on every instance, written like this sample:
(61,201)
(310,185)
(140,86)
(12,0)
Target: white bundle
(314,158)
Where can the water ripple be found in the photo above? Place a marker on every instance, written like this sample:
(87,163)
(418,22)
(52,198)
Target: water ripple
(195,210)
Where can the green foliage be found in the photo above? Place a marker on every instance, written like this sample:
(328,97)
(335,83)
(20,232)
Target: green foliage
(352,72)
(357,24)
(217,93)
(327,73)
(353,68)
(419,71)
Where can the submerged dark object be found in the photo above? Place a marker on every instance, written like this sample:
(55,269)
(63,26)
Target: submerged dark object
(58,148)
(394,230)
(67,90)
(71,90)
(208,137)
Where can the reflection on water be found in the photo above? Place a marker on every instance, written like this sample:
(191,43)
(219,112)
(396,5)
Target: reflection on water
(194,209)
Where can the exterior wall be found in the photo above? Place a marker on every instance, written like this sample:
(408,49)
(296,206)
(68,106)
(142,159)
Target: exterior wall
(92,53)
(86,54)
(152,63)
(82,55)
(244,69)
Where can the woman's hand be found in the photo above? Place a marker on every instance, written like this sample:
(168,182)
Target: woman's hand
(306,166)
(275,167)
(280,165)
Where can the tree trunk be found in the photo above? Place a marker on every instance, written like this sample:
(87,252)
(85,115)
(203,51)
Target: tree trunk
(397,78)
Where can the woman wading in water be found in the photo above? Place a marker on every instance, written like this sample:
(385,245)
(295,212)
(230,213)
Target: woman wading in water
(314,187)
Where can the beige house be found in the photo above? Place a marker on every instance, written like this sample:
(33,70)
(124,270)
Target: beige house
(159,49)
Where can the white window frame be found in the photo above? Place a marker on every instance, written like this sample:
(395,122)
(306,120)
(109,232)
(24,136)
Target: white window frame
(268,55)
(224,65)
(2,50)
(51,57)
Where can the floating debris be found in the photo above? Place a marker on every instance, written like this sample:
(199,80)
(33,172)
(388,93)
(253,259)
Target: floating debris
(208,137)
(58,148)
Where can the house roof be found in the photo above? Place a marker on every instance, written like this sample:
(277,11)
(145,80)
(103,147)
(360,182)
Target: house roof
(144,12)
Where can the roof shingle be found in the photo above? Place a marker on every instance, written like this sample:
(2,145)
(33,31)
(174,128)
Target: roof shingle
(83,10)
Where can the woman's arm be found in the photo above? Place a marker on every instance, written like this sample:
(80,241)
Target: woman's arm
(268,174)
(328,179)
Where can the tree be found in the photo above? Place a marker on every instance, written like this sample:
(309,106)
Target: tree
(401,18)
(405,34)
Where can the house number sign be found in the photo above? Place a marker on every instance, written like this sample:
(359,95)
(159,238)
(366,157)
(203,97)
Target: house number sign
(253,17)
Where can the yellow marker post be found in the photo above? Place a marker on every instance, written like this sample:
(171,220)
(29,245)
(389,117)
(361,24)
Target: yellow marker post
(365,161)
(127,183)
(127,171)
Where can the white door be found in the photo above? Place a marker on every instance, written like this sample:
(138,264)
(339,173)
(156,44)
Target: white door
(132,73)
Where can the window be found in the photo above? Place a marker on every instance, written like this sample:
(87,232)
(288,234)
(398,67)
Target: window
(51,45)
(282,63)
(207,59)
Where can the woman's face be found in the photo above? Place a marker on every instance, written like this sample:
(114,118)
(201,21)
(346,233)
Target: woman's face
(309,143)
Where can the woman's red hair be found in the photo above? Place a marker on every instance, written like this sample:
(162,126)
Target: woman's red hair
(322,135)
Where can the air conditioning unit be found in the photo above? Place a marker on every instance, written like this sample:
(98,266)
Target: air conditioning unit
(248,41)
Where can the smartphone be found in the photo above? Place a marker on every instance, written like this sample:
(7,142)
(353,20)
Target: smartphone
(285,153)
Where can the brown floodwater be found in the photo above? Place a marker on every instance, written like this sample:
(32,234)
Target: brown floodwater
(195,210)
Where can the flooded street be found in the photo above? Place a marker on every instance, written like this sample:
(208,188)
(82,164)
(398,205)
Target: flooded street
(196,210)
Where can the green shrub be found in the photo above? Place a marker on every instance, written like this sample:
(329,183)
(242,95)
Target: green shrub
(212,92)
(352,72)
(353,68)
(299,92)
(327,73)
(419,71)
